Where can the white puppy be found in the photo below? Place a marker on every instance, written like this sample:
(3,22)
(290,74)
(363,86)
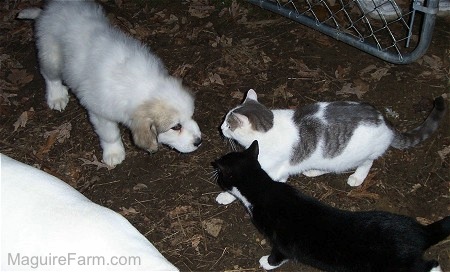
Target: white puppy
(49,226)
(115,77)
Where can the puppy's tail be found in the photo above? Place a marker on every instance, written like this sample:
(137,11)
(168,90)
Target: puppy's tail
(29,13)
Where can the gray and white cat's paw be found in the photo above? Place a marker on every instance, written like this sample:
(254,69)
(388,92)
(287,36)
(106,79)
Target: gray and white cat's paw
(360,174)
(225,198)
(264,263)
(313,173)
(354,181)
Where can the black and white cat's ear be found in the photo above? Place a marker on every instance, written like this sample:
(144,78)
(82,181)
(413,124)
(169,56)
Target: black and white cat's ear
(251,95)
(254,149)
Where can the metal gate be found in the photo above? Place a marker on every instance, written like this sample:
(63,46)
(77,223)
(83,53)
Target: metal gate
(396,32)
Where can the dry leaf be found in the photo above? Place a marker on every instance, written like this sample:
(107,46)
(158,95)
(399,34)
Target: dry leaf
(139,186)
(237,95)
(266,59)
(444,152)
(379,73)
(4,97)
(118,3)
(226,71)
(423,221)
(200,9)
(179,211)
(363,194)
(130,211)
(368,69)
(215,78)
(51,139)
(20,77)
(62,132)
(182,70)
(303,70)
(95,162)
(262,23)
(341,72)
(234,9)
(23,119)
(374,73)
(59,134)
(281,91)
(213,226)
(222,41)
(434,62)
(172,19)
(359,88)
(195,242)
(328,190)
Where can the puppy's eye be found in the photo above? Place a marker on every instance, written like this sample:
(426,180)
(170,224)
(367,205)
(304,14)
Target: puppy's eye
(176,127)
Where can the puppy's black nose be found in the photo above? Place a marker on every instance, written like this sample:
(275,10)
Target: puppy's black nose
(198,142)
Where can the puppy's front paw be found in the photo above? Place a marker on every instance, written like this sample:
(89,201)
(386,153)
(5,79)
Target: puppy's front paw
(58,104)
(57,95)
(113,154)
(225,198)
(264,263)
(113,159)
(354,181)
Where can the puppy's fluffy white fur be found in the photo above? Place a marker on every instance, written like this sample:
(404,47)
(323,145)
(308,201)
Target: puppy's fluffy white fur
(115,77)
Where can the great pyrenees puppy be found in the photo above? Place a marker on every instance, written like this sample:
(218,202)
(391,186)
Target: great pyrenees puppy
(115,77)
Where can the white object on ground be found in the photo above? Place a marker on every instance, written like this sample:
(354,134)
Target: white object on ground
(48,225)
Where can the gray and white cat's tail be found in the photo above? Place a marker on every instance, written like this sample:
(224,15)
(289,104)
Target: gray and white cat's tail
(419,134)
(29,13)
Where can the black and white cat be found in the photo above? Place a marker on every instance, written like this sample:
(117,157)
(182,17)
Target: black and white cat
(325,137)
(305,230)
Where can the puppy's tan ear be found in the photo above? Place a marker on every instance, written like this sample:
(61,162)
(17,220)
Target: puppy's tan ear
(145,134)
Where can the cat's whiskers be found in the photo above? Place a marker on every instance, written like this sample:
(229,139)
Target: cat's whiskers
(214,175)
(233,144)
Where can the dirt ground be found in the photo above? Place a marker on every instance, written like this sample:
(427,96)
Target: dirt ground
(221,51)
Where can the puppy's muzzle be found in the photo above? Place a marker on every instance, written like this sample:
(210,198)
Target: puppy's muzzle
(197,142)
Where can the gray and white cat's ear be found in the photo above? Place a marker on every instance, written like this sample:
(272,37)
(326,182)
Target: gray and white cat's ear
(240,118)
(251,95)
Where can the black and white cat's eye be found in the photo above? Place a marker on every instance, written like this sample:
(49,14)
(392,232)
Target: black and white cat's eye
(176,127)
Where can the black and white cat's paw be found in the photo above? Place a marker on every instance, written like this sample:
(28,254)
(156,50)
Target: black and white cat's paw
(436,269)
(264,263)
(225,198)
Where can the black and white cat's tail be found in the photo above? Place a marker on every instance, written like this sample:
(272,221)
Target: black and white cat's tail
(419,134)
(438,231)
(29,13)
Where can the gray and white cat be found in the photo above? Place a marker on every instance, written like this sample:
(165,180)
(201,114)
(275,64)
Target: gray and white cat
(325,137)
